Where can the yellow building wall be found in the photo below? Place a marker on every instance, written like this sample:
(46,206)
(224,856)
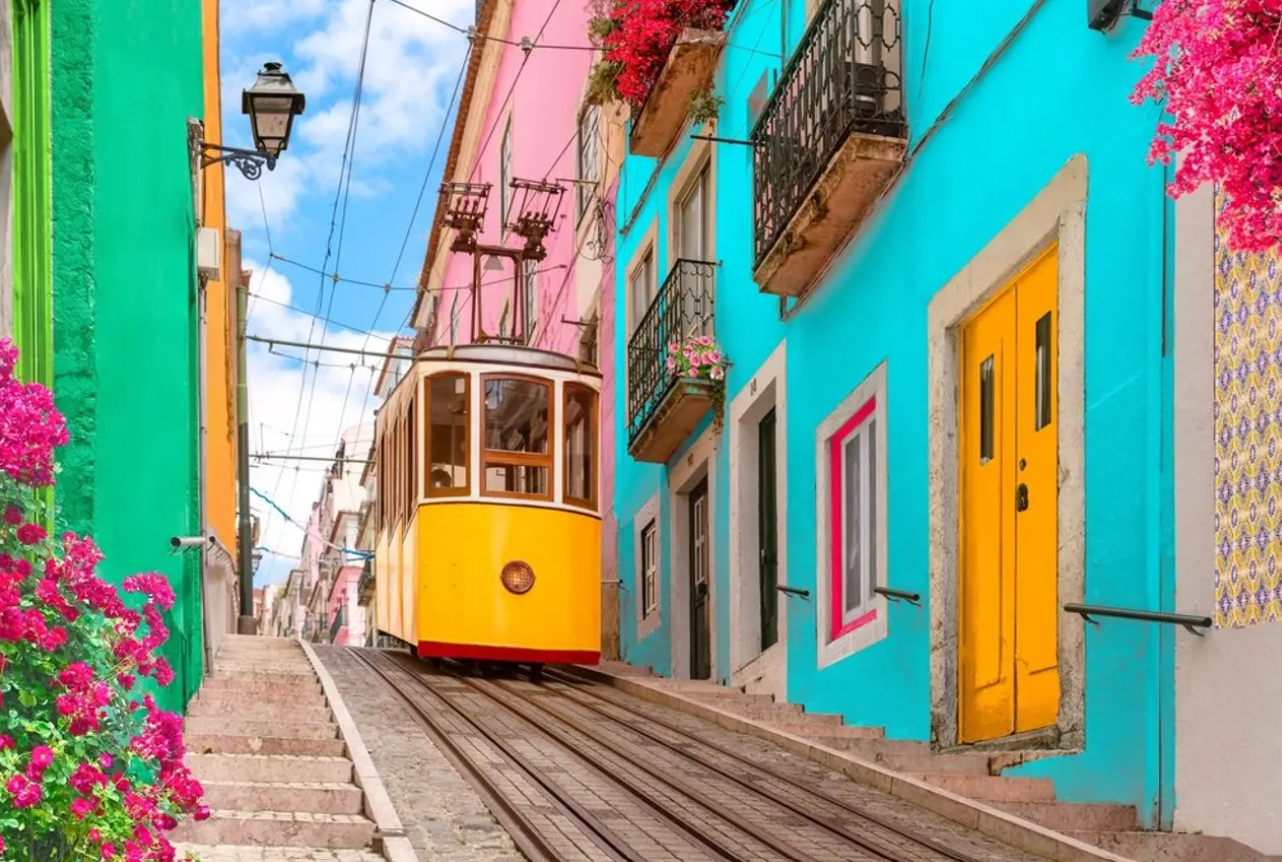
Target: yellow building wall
(219,485)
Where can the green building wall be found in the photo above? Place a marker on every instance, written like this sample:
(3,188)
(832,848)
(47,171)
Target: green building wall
(125,77)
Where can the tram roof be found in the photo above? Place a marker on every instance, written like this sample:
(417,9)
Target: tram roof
(507,354)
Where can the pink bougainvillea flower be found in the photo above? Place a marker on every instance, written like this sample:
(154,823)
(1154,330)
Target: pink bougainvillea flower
(31,534)
(13,515)
(1217,71)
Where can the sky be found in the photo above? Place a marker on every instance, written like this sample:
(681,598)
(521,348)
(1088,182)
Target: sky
(411,69)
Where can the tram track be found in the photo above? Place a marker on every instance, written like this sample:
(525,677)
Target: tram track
(527,835)
(822,820)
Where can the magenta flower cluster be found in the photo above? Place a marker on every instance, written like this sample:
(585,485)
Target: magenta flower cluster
(697,357)
(90,766)
(1218,70)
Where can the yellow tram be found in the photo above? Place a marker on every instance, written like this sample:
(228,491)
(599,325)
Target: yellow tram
(489,525)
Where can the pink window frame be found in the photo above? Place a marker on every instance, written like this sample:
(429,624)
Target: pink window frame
(836,522)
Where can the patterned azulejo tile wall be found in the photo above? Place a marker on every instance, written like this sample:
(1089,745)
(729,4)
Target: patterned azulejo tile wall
(1248,435)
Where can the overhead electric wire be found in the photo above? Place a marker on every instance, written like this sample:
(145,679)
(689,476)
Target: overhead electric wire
(335,277)
(472,34)
(320,297)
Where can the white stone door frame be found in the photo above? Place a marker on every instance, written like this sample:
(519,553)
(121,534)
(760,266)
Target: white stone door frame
(761,672)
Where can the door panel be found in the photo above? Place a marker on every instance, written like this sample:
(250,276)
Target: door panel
(1008,622)
(768,531)
(1037,587)
(700,608)
(986,630)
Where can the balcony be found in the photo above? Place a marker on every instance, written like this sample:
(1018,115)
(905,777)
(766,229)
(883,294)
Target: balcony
(828,142)
(365,584)
(665,111)
(666,399)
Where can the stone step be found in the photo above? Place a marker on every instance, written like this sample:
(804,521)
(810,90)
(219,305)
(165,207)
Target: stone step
(297,666)
(871,749)
(251,690)
(220,744)
(270,768)
(260,711)
(298,796)
(991,788)
(938,764)
(1068,816)
(1170,846)
(223,726)
(279,829)
(296,677)
(227,853)
(821,732)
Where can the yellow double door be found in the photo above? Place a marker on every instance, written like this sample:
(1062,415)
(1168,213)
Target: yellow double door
(1007,630)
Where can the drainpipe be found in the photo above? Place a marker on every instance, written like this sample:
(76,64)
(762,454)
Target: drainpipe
(202,302)
(246,624)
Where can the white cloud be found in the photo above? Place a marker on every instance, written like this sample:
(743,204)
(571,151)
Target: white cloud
(275,384)
(410,69)
(240,16)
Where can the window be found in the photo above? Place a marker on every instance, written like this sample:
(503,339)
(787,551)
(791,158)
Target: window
(411,460)
(649,570)
(692,220)
(642,288)
(518,422)
(588,161)
(580,446)
(454,317)
(856,478)
(505,175)
(531,299)
(447,406)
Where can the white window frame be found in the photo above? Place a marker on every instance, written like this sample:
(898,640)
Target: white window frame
(646,263)
(505,175)
(649,568)
(866,623)
(587,161)
(648,613)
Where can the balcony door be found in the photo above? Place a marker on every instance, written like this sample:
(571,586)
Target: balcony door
(693,242)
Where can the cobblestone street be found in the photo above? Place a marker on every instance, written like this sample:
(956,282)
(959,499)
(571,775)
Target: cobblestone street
(443,818)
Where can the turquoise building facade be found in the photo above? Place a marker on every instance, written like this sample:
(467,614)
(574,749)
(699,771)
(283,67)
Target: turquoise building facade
(1020,151)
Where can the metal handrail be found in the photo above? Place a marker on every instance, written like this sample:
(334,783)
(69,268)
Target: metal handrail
(899,595)
(683,308)
(1190,622)
(845,76)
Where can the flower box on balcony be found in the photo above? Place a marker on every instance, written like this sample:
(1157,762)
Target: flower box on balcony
(674,419)
(691,62)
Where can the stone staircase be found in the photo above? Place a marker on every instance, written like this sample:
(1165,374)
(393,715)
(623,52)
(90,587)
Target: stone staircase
(264,743)
(971,774)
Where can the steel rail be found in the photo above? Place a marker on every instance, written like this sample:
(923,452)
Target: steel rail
(568,679)
(759,834)
(528,838)
(693,832)
(887,854)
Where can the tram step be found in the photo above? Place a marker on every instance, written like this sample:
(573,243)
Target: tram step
(279,829)
(316,798)
(207,743)
(260,710)
(270,768)
(1171,846)
(224,726)
(227,853)
(991,788)
(1067,816)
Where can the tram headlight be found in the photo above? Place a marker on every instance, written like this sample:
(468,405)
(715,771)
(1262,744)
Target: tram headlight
(518,577)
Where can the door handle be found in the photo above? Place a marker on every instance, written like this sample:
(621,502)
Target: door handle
(701,591)
(1021,497)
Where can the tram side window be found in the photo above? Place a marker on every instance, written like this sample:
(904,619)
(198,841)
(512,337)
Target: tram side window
(518,422)
(447,435)
(580,446)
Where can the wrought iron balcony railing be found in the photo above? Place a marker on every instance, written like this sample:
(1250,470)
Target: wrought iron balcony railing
(682,309)
(844,78)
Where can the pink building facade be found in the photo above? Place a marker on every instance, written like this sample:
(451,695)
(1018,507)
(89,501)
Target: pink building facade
(524,117)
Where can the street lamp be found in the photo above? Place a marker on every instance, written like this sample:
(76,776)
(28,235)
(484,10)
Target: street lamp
(272,103)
